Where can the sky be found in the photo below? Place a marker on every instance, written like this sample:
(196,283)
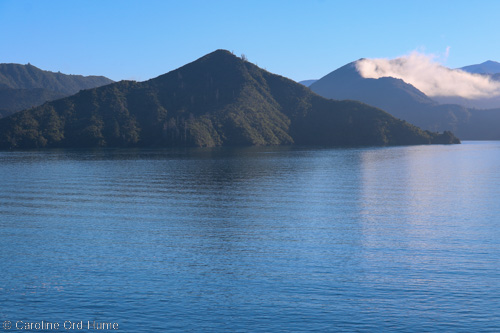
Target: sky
(139,40)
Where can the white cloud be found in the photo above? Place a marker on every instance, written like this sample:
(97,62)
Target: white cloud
(447,53)
(426,74)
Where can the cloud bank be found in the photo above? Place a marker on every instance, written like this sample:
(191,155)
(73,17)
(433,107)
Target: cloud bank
(426,74)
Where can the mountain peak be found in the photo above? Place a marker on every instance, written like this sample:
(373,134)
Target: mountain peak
(221,55)
(218,99)
(487,67)
(347,74)
(220,52)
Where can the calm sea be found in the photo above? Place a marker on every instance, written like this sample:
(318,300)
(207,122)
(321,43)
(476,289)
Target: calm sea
(400,239)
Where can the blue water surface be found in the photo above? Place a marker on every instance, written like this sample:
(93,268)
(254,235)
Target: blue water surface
(277,239)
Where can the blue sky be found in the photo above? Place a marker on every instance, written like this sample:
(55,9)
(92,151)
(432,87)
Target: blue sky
(298,39)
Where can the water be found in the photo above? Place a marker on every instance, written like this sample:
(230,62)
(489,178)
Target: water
(400,239)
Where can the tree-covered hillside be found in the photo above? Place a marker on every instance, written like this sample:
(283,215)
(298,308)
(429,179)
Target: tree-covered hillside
(25,86)
(12,100)
(216,100)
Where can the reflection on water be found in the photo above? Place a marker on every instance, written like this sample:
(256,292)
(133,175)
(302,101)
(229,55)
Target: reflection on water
(429,237)
(254,239)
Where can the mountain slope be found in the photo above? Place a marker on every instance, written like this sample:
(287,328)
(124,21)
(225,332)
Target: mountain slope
(28,77)
(12,100)
(307,83)
(24,86)
(404,101)
(386,93)
(487,67)
(216,100)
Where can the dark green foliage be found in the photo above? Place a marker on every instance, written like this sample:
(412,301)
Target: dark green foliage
(17,76)
(445,138)
(12,100)
(217,100)
(25,86)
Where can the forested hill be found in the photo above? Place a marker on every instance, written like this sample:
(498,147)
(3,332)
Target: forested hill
(17,76)
(24,86)
(216,100)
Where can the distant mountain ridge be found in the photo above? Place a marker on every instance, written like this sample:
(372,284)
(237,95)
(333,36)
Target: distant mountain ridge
(18,76)
(490,69)
(487,67)
(404,101)
(307,83)
(24,86)
(217,100)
